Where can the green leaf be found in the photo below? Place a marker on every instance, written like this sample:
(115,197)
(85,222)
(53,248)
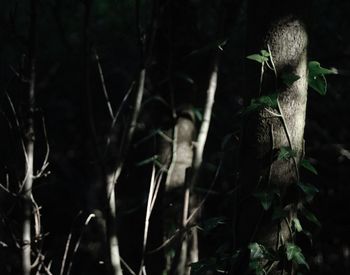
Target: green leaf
(295,254)
(259,103)
(212,223)
(297,224)
(265,199)
(267,100)
(257,251)
(279,213)
(265,53)
(308,189)
(202,266)
(316,69)
(318,83)
(257,267)
(285,153)
(308,166)
(316,78)
(289,78)
(258,58)
(310,216)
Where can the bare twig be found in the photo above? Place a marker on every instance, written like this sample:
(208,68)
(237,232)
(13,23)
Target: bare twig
(124,148)
(148,214)
(78,242)
(103,83)
(115,118)
(66,250)
(46,159)
(65,253)
(21,138)
(127,266)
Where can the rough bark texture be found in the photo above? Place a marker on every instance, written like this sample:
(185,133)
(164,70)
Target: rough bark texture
(281,29)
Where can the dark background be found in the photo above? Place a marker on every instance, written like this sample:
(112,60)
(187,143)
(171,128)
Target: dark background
(73,183)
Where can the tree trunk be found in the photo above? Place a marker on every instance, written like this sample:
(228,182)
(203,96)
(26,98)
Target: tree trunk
(279,29)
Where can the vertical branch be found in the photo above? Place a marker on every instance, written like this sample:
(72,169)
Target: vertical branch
(189,251)
(103,83)
(30,137)
(113,179)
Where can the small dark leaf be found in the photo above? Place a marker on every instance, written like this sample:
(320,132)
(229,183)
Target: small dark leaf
(212,223)
(262,102)
(289,78)
(308,189)
(202,266)
(286,153)
(265,199)
(279,213)
(310,216)
(295,254)
(308,166)
(267,100)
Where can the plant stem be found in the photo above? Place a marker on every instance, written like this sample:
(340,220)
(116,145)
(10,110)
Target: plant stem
(30,138)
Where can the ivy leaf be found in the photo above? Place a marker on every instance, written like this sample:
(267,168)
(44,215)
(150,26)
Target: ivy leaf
(289,78)
(267,100)
(265,53)
(201,267)
(257,267)
(297,224)
(308,166)
(310,216)
(316,69)
(258,254)
(318,83)
(279,213)
(286,153)
(212,223)
(258,58)
(261,102)
(316,78)
(308,189)
(265,199)
(257,251)
(295,254)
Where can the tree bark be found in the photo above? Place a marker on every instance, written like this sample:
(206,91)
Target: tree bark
(279,29)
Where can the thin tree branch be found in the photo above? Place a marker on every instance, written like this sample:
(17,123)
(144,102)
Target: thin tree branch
(78,242)
(30,135)
(103,83)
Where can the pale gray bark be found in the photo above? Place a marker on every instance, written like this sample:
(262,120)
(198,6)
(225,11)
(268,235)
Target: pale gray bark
(281,29)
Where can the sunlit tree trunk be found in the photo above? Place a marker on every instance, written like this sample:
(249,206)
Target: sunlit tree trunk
(278,29)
